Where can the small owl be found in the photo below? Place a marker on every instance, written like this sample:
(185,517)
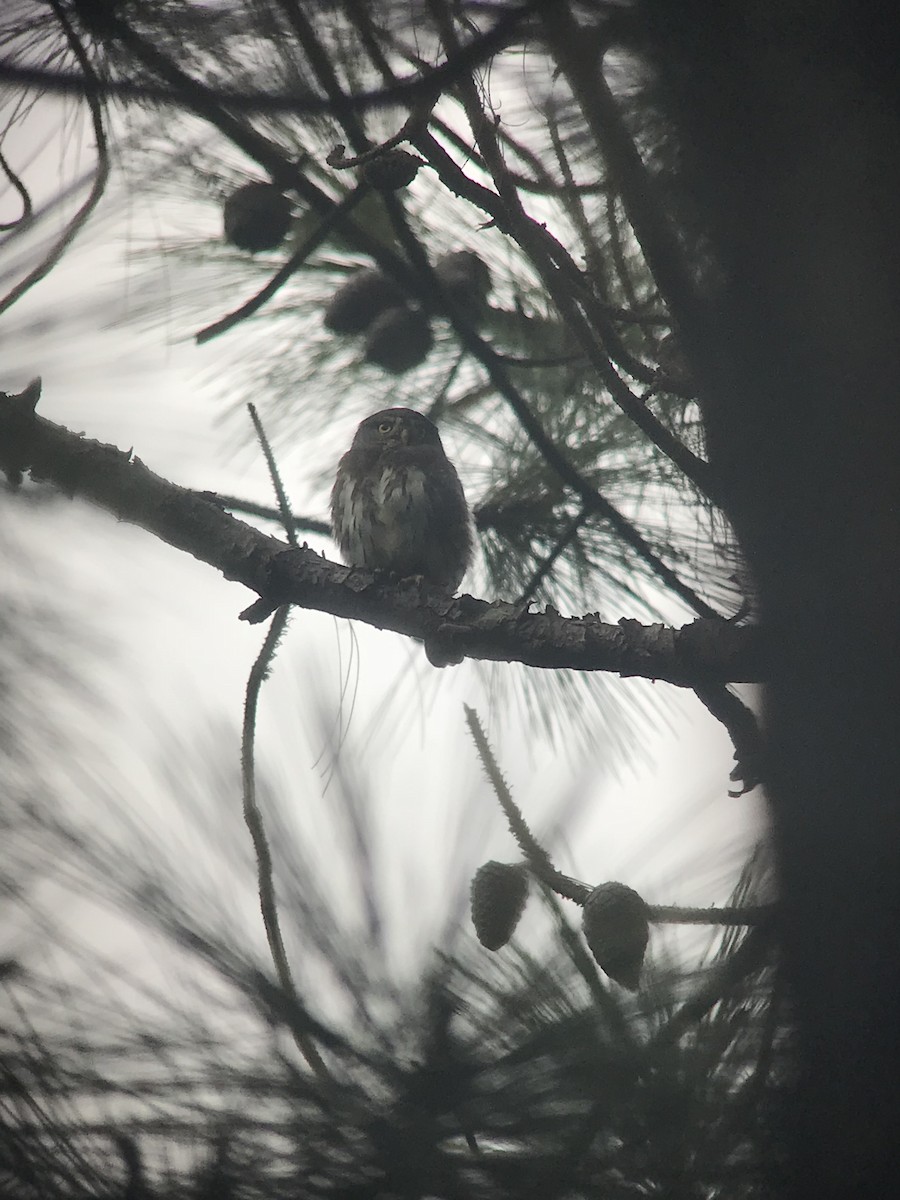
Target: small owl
(397,504)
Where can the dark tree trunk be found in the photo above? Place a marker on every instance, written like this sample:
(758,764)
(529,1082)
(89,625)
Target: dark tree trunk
(790,123)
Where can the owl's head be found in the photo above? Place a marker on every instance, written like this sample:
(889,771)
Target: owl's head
(396,427)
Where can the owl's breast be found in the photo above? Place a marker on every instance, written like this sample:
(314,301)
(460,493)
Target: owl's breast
(402,514)
(383,516)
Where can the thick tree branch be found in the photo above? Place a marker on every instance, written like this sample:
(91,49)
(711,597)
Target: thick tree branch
(564,281)
(577,55)
(705,652)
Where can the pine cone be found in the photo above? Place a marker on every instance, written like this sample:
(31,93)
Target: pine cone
(616,928)
(365,296)
(257,217)
(398,339)
(391,170)
(465,277)
(498,895)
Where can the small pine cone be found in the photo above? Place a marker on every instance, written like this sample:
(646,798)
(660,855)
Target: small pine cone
(391,170)
(465,276)
(365,296)
(257,217)
(498,895)
(398,339)
(616,928)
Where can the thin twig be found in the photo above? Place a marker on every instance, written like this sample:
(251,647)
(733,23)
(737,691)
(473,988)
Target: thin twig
(436,408)
(732,916)
(323,68)
(284,508)
(536,856)
(91,93)
(302,523)
(564,281)
(618,251)
(750,956)
(27,207)
(575,53)
(259,672)
(545,566)
(254,821)
(298,100)
(573,889)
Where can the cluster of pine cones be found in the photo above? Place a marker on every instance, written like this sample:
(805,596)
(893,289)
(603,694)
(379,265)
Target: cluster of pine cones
(614,918)
(257,217)
(397,335)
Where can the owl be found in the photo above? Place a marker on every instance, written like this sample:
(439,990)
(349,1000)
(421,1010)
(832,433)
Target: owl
(397,504)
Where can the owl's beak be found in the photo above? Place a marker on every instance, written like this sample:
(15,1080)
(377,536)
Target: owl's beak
(404,436)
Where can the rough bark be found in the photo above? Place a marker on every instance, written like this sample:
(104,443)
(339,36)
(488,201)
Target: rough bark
(704,653)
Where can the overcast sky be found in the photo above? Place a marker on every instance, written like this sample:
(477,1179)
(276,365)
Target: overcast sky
(166,655)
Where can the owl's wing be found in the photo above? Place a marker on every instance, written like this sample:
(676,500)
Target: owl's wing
(344,517)
(452,535)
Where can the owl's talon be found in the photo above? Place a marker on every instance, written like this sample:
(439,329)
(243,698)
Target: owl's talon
(439,648)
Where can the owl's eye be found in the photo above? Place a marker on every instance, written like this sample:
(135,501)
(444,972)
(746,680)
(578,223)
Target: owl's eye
(385,427)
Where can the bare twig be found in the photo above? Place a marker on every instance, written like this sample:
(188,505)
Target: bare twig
(545,566)
(298,100)
(259,672)
(617,251)
(542,866)
(301,523)
(732,916)
(284,508)
(27,207)
(535,855)
(92,92)
(254,821)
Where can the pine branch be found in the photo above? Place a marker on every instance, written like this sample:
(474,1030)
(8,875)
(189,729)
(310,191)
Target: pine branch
(92,93)
(542,867)
(704,652)
(254,820)
(299,100)
(575,50)
(288,268)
